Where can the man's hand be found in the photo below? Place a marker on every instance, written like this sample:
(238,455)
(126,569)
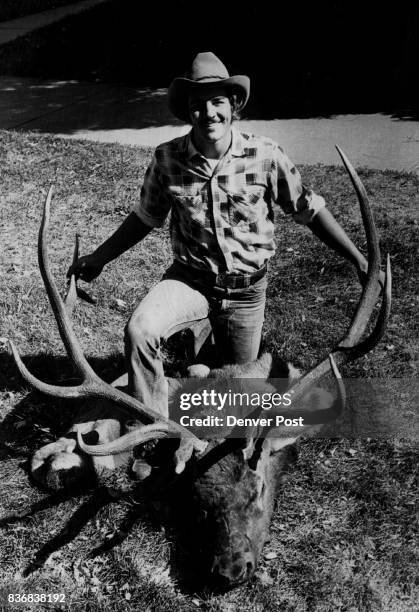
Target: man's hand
(328,230)
(131,231)
(87,268)
(362,270)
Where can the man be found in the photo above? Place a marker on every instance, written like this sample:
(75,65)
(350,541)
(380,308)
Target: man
(221,187)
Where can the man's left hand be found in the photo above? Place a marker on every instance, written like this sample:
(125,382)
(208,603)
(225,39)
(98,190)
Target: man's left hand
(362,270)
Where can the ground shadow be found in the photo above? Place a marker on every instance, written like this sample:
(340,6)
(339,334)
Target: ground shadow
(69,106)
(292,75)
(93,501)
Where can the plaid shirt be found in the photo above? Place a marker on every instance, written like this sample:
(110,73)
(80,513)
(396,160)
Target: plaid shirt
(222,218)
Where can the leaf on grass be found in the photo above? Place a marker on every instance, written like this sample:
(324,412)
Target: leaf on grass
(270,555)
(265,579)
(119,303)
(78,577)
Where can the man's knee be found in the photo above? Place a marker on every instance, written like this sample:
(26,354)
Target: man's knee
(142,331)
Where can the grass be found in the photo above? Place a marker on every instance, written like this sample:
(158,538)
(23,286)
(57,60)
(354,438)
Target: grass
(343,531)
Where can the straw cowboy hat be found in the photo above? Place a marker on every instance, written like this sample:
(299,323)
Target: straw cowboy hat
(206,72)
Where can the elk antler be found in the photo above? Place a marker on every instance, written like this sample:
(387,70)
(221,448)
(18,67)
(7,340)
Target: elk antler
(92,386)
(351,347)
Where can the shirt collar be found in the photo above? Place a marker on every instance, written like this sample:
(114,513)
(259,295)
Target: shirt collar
(236,148)
(189,148)
(237,144)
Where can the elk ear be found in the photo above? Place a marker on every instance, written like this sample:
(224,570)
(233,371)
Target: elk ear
(248,449)
(278,444)
(268,446)
(315,402)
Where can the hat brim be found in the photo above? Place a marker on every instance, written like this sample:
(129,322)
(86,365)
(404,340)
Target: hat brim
(181,87)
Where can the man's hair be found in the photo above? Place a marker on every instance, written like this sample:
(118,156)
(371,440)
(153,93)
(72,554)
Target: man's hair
(235,107)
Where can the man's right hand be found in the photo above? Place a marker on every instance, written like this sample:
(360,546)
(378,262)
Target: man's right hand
(86,268)
(131,231)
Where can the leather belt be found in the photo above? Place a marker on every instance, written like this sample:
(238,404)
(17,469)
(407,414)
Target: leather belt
(239,281)
(228,280)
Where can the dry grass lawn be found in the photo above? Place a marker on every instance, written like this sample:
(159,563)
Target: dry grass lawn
(343,532)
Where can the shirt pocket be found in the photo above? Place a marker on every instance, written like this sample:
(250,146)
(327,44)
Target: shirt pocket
(245,207)
(191,210)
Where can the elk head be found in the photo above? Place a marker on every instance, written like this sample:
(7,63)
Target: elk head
(227,489)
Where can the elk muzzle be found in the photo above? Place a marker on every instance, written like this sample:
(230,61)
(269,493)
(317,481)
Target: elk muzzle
(235,565)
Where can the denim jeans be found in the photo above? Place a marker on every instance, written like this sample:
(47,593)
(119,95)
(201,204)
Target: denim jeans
(236,317)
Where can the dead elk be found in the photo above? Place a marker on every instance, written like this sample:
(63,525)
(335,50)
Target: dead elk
(229,485)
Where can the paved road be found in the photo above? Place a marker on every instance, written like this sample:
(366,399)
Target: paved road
(110,113)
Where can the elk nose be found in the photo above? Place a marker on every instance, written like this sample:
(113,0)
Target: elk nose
(229,570)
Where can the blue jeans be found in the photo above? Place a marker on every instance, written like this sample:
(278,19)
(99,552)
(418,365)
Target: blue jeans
(236,317)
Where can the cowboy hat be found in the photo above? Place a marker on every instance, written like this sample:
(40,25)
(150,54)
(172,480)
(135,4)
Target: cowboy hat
(206,72)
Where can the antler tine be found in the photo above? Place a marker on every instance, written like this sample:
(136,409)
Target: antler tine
(74,291)
(53,390)
(126,442)
(348,349)
(62,318)
(317,417)
(377,333)
(340,402)
(71,297)
(371,287)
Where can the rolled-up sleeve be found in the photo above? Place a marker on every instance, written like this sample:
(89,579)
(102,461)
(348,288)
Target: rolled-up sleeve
(289,192)
(154,204)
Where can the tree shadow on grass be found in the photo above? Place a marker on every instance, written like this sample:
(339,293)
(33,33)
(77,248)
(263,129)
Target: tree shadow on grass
(93,502)
(68,106)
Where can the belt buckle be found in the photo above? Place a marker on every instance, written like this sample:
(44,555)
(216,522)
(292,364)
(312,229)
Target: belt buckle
(233,281)
(221,278)
(229,280)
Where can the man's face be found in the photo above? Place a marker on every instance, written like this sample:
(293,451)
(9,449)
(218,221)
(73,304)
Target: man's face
(211,115)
